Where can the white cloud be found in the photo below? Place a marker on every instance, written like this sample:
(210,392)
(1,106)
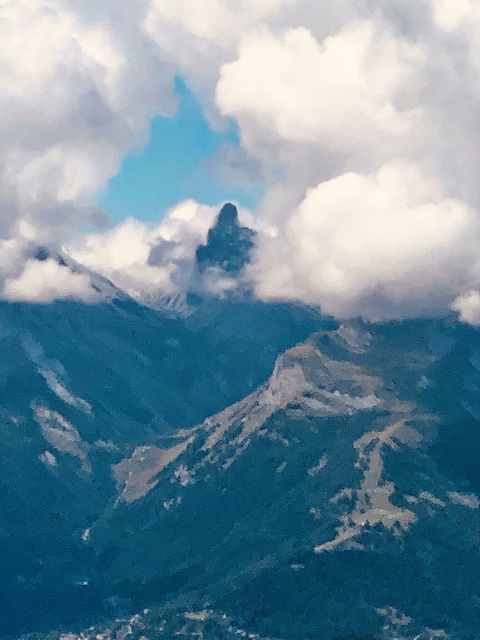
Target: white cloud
(468,307)
(448,15)
(198,37)
(347,94)
(386,244)
(149,263)
(46,281)
(365,121)
(155,264)
(367,112)
(75,98)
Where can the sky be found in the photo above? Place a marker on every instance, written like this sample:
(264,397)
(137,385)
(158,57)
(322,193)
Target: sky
(179,162)
(348,131)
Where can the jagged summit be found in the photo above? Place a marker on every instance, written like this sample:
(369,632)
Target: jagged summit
(228,243)
(228,217)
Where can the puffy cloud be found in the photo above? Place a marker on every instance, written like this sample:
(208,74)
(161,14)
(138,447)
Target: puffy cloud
(366,118)
(149,263)
(79,88)
(46,281)
(468,307)
(318,94)
(77,94)
(367,112)
(354,93)
(198,37)
(386,245)
(448,16)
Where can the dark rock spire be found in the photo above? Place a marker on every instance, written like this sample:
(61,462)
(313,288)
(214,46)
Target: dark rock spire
(228,244)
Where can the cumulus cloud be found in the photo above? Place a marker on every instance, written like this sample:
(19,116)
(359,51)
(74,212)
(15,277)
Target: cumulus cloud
(339,94)
(366,123)
(78,91)
(468,307)
(367,112)
(148,263)
(448,16)
(47,281)
(386,244)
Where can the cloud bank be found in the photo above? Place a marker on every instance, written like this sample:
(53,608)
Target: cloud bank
(383,244)
(150,264)
(368,112)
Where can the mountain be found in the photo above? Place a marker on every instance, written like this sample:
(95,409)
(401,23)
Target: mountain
(326,503)
(244,470)
(82,386)
(228,243)
(103,288)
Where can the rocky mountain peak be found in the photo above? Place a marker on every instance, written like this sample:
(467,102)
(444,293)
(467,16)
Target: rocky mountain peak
(228,243)
(227,219)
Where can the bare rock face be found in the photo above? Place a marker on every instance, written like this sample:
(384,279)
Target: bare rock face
(228,243)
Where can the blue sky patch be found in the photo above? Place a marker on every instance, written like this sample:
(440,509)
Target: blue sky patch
(178,163)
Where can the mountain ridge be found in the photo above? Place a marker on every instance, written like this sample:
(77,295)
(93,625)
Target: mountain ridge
(362,508)
(241,470)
